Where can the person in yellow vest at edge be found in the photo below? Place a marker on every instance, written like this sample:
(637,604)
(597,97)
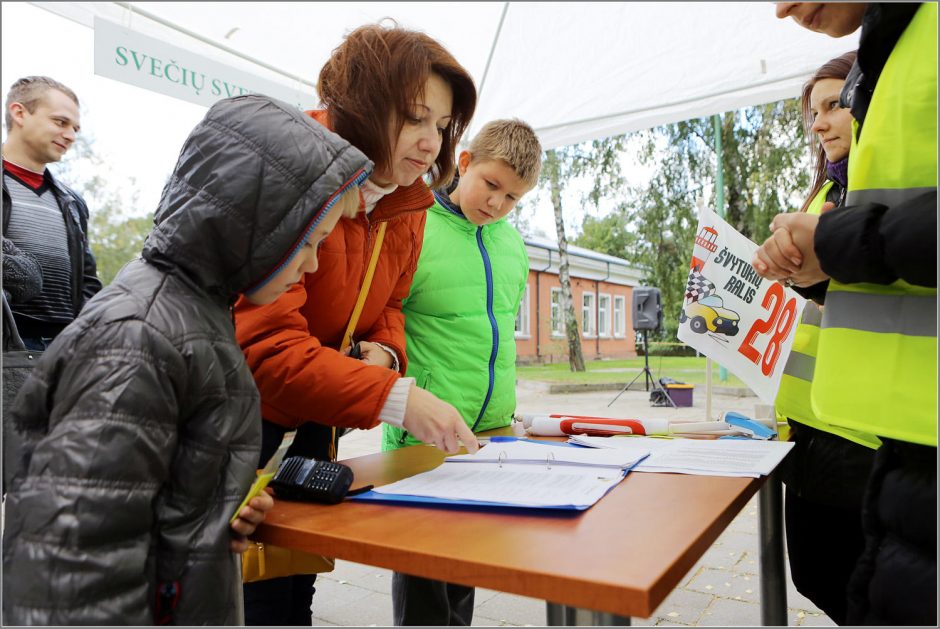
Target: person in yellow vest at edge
(827,470)
(876,363)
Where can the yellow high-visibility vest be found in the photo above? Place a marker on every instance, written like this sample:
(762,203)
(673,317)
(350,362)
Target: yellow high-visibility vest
(876,367)
(793,396)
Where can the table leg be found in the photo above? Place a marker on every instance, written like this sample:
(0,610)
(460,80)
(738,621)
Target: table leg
(773,587)
(563,616)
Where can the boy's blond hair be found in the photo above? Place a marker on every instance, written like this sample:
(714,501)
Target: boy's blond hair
(349,202)
(512,141)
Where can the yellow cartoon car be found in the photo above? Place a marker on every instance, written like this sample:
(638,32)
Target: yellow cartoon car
(709,314)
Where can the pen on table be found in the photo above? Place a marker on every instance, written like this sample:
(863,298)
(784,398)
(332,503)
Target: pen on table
(485,440)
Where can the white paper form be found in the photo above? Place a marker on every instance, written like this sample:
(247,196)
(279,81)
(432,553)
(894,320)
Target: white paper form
(523,473)
(519,484)
(707,457)
(518,451)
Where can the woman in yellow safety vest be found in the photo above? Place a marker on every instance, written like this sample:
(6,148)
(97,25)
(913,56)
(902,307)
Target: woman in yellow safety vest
(876,363)
(826,471)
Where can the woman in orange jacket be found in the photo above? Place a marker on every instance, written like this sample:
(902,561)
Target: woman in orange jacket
(403,100)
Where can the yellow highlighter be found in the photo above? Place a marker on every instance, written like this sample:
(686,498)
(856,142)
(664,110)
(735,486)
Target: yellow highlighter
(265,475)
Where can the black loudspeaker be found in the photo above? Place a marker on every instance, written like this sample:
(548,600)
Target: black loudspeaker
(647,308)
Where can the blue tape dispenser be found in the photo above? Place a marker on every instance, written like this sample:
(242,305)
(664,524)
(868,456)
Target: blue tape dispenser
(751,428)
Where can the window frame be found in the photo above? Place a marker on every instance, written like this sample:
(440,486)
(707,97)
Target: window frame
(588,314)
(523,316)
(622,319)
(608,311)
(556,332)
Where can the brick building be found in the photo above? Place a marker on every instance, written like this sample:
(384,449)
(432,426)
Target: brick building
(602,293)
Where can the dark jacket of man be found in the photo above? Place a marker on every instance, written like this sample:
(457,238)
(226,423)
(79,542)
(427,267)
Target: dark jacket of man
(85,282)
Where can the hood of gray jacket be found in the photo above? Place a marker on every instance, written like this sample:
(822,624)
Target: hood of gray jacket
(252,181)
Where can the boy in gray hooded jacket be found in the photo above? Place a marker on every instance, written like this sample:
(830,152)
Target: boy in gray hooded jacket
(141,423)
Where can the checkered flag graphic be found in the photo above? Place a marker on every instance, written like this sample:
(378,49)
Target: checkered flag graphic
(698,287)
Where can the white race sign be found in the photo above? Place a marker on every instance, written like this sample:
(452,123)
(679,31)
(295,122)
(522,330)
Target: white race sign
(130,57)
(732,315)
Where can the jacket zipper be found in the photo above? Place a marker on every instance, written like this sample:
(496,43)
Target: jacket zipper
(489,312)
(495,347)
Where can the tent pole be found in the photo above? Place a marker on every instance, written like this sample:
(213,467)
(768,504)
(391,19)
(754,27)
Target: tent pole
(464,142)
(720,209)
(720,198)
(489,57)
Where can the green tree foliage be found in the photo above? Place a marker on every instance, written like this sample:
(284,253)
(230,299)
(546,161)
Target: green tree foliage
(609,234)
(765,165)
(116,241)
(663,217)
(116,231)
(766,171)
(522,214)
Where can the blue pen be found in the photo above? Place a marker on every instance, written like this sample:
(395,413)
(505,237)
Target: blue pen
(485,440)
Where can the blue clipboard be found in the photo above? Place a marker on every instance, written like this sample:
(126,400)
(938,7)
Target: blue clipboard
(427,501)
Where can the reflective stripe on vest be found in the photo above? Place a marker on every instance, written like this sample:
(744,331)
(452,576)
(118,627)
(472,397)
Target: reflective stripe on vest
(800,365)
(793,396)
(885,196)
(876,365)
(910,315)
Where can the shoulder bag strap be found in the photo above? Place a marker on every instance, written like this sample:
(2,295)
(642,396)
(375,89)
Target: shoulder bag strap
(357,310)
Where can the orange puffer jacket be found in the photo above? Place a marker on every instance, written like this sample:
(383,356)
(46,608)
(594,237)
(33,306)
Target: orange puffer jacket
(292,345)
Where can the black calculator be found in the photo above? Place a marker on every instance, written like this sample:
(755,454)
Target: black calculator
(309,480)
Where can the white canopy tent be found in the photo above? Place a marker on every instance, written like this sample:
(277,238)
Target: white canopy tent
(575,71)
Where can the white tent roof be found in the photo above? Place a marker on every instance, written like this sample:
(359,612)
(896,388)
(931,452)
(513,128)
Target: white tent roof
(574,70)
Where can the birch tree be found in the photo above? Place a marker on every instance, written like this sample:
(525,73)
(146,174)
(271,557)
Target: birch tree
(598,161)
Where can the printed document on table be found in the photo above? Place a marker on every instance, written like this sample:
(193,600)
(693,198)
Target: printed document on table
(707,457)
(540,453)
(521,474)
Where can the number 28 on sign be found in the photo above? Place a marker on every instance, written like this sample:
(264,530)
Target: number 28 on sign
(779,322)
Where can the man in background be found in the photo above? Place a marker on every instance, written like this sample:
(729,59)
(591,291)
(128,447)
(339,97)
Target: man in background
(41,216)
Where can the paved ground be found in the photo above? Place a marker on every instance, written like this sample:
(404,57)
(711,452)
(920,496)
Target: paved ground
(722,589)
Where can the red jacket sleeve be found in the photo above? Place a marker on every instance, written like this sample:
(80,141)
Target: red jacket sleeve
(299,379)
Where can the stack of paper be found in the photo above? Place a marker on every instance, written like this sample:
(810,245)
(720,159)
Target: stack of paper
(545,453)
(707,457)
(518,474)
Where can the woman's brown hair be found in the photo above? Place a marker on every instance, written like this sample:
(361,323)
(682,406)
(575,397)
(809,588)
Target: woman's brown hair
(837,68)
(376,75)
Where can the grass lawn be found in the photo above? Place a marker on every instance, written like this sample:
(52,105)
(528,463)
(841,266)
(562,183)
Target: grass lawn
(687,369)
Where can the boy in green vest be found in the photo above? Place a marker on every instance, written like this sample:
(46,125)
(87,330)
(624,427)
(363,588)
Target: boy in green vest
(460,317)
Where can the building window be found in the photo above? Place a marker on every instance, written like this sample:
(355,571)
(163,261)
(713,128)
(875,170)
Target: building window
(558,317)
(620,320)
(603,315)
(522,317)
(587,314)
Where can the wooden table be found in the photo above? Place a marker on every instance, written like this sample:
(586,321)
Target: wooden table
(621,557)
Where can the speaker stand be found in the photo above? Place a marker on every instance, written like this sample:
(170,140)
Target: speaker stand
(647,376)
